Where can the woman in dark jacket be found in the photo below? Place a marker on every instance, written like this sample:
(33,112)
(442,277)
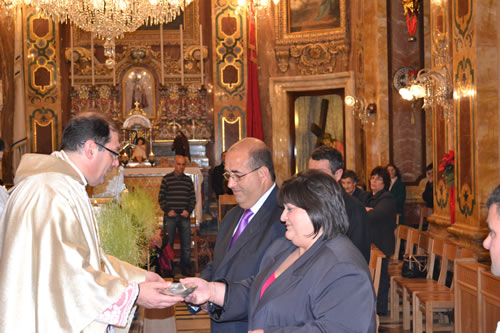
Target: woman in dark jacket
(381,209)
(398,190)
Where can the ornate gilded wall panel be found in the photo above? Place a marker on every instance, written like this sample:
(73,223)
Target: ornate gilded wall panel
(43,104)
(229,45)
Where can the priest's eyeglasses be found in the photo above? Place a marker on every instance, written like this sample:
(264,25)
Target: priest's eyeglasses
(236,178)
(113,153)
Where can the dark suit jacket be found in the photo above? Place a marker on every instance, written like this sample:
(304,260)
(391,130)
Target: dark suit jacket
(382,220)
(398,190)
(358,224)
(243,260)
(328,289)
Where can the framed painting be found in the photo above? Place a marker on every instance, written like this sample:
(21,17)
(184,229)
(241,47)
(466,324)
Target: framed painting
(305,21)
(139,89)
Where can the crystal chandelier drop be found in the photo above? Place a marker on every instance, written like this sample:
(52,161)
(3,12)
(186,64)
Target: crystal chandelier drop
(256,5)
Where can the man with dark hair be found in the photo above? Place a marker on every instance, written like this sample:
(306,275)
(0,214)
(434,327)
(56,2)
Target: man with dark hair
(177,200)
(219,184)
(350,182)
(329,160)
(492,242)
(52,268)
(249,228)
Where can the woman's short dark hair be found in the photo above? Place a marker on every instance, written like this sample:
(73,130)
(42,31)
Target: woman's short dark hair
(350,174)
(320,196)
(87,126)
(382,173)
(398,173)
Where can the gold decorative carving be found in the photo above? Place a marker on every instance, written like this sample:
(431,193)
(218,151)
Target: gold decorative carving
(317,58)
(282,55)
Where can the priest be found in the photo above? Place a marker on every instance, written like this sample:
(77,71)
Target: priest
(54,276)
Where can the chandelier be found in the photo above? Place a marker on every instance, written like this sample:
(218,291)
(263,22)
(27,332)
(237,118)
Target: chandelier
(256,5)
(107,19)
(362,111)
(433,87)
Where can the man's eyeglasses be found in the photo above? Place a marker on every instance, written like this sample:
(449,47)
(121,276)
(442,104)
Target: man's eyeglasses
(114,153)
(236,178)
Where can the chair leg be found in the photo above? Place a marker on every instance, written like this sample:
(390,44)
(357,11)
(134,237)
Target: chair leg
(417,316)
(428,318)
(406,310)
(394,301)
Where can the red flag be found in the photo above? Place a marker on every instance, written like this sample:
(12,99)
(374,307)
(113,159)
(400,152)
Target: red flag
(254,118)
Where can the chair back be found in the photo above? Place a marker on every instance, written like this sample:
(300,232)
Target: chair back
(375,265)
(225,200)
(401,233)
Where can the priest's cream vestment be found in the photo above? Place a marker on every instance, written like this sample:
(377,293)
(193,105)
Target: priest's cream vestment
(53,274)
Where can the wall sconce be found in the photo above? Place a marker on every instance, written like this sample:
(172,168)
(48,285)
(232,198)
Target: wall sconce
(433,87)
(365,113)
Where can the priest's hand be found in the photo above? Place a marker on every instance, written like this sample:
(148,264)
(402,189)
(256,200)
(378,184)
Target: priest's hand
(153,277)
(151,298)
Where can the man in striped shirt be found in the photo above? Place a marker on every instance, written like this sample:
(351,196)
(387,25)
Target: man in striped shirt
(177,200)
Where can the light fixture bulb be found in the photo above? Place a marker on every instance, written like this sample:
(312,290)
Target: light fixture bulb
(350,100)
(406,94)
(417,90)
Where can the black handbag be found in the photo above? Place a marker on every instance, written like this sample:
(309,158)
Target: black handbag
(414,266)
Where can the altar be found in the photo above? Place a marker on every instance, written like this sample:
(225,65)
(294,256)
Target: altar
(149,178)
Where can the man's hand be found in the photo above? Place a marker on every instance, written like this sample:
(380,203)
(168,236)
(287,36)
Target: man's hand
(257,331)
(153,277)
(185,213)
(171,213)
(202,293)
(151,298)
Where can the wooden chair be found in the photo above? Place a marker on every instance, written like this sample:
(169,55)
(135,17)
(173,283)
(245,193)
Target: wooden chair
(423,216)
(375,266)
(489,301)
(423,243)
(430,302)
(466,284)
(225,200)
(432,296)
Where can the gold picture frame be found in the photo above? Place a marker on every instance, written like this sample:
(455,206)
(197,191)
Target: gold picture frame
(307,21)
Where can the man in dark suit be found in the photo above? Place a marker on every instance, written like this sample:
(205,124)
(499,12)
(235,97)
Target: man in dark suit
(239,249)
(329,160)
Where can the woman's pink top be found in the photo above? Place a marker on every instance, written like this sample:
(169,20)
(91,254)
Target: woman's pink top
(268,282)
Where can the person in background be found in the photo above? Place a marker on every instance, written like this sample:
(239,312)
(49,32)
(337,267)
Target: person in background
(219,183)
(350,182)
(312,280)
(428,194)
(330,161)
(248,229)
(398,190)
(492,242)
(177,200)
(4,196)
(54,276)
(381,209)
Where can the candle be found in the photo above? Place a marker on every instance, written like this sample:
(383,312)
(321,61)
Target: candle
(182,55)
(92,56)
(71,56)
(114,74)
(201,54)
(161,54)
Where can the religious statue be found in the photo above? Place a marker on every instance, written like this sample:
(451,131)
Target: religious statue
(139,153)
